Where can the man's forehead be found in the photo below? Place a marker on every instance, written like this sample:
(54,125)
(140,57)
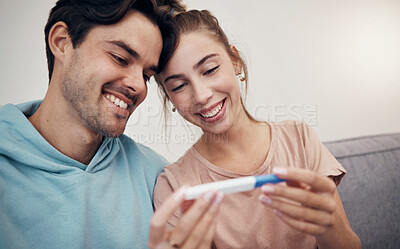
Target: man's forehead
(133,27)
(132,22)
(135,34)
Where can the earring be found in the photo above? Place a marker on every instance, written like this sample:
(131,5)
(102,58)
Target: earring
(173,108)
(241,76)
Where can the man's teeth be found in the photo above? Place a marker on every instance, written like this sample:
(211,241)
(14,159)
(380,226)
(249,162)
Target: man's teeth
(213,112)
(117,101)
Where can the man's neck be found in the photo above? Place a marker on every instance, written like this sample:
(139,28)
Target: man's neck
(65,133)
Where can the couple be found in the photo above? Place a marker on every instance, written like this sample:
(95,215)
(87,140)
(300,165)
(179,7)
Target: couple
(70,179)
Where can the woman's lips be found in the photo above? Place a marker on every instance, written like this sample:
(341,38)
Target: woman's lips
(213,114)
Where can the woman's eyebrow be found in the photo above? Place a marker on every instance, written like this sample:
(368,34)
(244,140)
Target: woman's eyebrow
(201,62)
(174,76)
(198,64)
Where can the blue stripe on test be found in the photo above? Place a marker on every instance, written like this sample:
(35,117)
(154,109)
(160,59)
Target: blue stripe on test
(263,179)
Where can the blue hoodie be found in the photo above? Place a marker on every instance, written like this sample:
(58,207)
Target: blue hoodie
(48,200)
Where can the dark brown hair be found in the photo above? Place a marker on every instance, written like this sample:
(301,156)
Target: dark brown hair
(83,15)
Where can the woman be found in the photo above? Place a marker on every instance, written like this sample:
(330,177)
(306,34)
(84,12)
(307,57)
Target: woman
(202,80)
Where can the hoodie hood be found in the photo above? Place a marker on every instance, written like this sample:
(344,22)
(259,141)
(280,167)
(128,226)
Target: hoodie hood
(23,144)
(48,200)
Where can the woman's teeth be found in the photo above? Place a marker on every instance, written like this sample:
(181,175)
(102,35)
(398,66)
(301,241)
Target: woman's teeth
(117,101)
(213,112)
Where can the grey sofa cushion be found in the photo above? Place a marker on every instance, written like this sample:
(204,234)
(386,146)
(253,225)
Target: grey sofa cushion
(370,191)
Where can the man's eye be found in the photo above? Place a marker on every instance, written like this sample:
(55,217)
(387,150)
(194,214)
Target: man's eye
(146,78)
(120,60)
(212,70)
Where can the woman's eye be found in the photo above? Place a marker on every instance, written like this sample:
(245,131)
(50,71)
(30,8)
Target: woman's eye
(120,60)
(177,88)
(212,70)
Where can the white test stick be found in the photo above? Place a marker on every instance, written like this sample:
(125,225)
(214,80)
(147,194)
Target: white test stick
(232,186)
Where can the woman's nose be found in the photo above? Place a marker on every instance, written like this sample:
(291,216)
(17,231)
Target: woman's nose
(201,94)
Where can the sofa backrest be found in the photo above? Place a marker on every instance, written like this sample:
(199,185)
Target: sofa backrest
(370,191)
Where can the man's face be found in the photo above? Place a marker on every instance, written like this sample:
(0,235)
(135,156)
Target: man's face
(105,76)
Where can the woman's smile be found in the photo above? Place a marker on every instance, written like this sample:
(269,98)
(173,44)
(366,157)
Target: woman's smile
(213,113)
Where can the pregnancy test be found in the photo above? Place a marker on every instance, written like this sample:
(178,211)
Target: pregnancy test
(232,186)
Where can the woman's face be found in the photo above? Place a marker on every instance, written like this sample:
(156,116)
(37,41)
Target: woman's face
(200,80)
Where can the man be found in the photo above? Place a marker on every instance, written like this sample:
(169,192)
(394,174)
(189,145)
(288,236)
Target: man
(68,177)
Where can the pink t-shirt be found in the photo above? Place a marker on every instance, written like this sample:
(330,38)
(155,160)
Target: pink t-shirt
(243,222)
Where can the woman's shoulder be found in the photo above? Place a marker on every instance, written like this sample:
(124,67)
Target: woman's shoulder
(287,123)
(183,160)
(294,134)
(291,128)
(187,165)
(171,179)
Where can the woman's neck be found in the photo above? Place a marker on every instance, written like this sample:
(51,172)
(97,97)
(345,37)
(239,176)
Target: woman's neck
(243,148)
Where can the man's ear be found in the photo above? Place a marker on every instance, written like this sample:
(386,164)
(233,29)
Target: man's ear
(237,64)
(59,40)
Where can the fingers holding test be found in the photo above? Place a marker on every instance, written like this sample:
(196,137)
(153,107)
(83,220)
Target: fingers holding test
(208,238)
(301,196)
(201,236)
(306,202)
(301,225)
(316,182)
(195,222)
(298,212)
(159,220)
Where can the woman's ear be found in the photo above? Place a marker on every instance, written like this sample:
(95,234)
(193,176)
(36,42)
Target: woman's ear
(59,40)
(237,64)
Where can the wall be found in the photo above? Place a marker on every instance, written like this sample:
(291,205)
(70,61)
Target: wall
(334,64)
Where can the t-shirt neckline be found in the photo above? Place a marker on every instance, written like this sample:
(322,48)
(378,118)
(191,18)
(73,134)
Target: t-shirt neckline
(263,169)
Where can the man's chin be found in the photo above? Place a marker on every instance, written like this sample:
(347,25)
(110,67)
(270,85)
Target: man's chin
(112,134)
(112,129)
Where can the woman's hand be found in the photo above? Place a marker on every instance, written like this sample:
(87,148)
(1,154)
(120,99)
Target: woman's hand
(311,204)
(196,226)
(305,203)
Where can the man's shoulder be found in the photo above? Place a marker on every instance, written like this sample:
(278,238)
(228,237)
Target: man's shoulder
(140,151)
(6,109)
(11,117)
(27,108)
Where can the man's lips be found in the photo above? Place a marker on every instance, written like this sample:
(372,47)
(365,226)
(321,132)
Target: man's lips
(128,100)
(118,102)
(127,95)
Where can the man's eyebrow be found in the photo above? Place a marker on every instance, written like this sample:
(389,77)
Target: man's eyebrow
(201,62)
(125,47)
(132,52)
(154,68)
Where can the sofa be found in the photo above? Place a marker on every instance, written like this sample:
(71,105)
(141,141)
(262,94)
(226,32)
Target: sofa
(370,191)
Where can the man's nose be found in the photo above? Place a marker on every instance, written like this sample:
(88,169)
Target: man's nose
(134,80)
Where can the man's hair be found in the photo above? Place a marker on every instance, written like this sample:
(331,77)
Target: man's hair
(83,15)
